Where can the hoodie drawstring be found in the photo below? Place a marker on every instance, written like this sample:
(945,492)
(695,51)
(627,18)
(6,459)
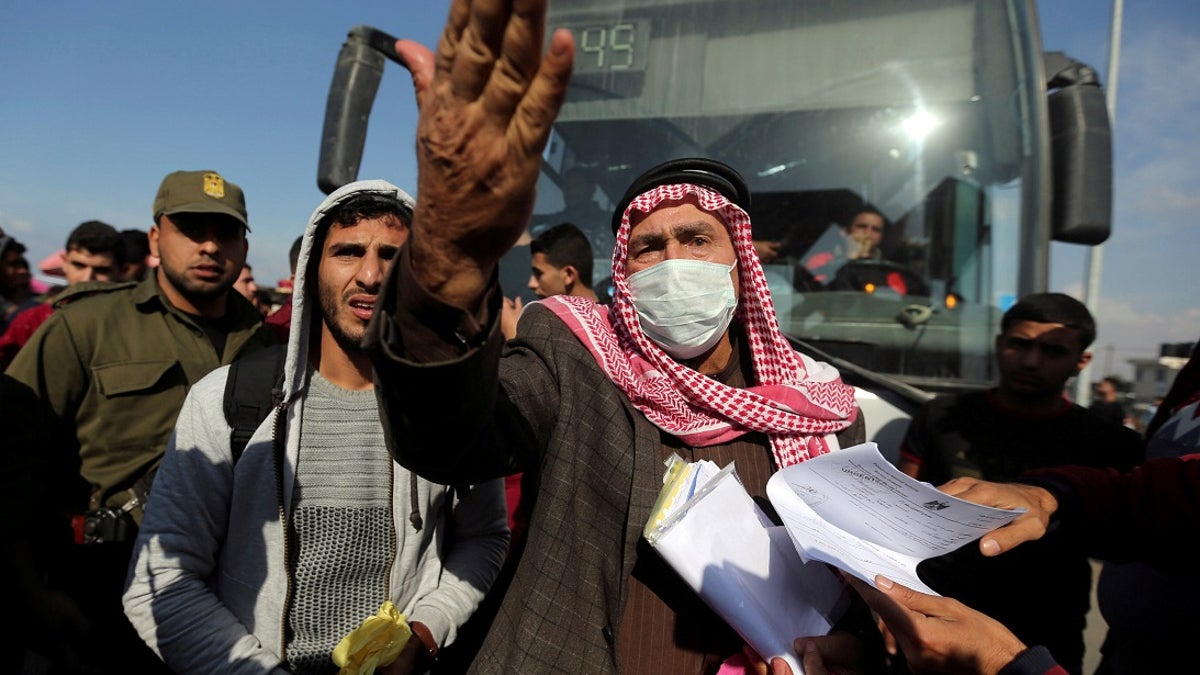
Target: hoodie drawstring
(415,516)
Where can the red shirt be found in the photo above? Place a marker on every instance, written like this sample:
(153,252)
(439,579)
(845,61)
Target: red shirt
(23,326)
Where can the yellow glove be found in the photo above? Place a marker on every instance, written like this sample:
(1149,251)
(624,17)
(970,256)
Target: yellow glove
(377,642)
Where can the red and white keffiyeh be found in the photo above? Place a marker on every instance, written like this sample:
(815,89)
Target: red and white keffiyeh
(796,401)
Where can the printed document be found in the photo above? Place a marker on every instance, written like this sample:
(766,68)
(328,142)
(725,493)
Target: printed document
(711,532)
(856,511)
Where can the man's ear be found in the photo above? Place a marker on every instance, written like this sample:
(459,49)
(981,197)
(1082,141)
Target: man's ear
(154,241)
(570,277)
(1084,359)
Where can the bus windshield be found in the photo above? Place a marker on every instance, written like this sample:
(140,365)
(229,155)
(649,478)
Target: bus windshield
(887,147)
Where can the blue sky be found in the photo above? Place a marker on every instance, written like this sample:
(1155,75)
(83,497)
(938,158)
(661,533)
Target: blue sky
(103,99)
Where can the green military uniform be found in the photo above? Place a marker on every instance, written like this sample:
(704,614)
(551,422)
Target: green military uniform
(115,362)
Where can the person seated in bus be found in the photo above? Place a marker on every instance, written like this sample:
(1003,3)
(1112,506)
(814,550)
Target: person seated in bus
(852,257)
(860,238)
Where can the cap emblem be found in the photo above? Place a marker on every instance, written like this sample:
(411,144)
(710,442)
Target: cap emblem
(214,185)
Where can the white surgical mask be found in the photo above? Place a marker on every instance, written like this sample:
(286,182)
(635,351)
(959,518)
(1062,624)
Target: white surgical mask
(684,305)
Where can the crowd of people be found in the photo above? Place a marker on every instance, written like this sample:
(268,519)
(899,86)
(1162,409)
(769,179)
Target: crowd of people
(402,470)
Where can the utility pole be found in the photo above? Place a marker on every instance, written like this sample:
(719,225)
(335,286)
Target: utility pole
(1095,255)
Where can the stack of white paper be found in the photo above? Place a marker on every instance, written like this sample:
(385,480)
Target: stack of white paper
(721,543)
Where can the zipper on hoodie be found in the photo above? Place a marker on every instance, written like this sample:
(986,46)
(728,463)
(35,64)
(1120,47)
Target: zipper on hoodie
(278,450)
(395,538)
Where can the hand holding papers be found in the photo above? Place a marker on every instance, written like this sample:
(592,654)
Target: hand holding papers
(850,508)
(710,530)
(854,510)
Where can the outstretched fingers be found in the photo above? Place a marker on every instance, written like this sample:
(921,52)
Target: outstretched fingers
(1027,527)
(473,39)
(490,50)
(527,88)
(517,57)
(490,55)
(486,111)
(1039,504)
(538,108)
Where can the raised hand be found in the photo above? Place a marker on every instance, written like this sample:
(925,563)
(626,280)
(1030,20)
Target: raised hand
(767,251)
(486,103)
(1039,503)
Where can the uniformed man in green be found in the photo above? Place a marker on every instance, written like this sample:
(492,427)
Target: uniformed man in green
(115,362)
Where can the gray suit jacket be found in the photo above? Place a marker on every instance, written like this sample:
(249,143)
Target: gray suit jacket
(546,408)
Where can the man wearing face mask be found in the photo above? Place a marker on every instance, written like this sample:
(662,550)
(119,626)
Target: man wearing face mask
(688,360)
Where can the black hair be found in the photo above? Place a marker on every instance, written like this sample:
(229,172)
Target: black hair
(564,244)
(7,243)
(1053,308)
(866,208)
(137,245)
(97,237)
(137,248)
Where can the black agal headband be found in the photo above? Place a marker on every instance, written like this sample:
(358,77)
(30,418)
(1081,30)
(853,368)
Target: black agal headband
(695,170)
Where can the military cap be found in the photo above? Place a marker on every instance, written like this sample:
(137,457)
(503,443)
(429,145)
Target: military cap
(200,192)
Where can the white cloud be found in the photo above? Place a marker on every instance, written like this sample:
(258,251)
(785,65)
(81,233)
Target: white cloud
(1125,330)
(1122,332)
(1174,203)
(1156,141)
(1150,87)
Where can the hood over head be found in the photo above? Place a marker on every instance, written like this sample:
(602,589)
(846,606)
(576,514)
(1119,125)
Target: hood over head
(303,305)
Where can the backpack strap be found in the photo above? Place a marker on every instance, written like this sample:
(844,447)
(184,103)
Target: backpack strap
(253,388)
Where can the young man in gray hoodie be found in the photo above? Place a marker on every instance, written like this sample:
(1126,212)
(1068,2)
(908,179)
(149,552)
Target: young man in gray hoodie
(264,562)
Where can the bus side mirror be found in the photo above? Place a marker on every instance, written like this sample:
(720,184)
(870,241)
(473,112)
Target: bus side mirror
(1081,152)
(351,95)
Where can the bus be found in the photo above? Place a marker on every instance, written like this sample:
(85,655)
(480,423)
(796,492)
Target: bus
(945,117)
